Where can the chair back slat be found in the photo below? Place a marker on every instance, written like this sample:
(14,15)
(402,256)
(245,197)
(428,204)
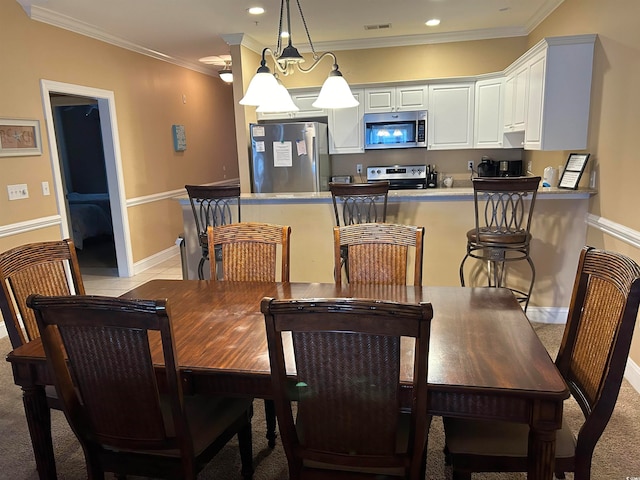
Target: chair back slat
(249,251)
(360,202)
(46,268)
(349,413)
(212,206)
(596,343)
(107,382)
(378,253)
(504,208)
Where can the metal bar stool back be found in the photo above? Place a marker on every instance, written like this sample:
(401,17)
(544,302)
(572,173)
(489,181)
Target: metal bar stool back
(212,206)
(503,212)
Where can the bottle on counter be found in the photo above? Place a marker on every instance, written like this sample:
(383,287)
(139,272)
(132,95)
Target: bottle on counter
(432,176)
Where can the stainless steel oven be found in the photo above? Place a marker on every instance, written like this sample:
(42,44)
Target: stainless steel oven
(400,176)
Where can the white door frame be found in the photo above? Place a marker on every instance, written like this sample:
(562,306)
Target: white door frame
(113,164)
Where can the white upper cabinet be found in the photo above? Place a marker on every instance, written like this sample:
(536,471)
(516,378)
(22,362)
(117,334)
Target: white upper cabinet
(346,129)
(559,71)
(303,101)
(451,107)
(488,125)
(395,99)
(515,99)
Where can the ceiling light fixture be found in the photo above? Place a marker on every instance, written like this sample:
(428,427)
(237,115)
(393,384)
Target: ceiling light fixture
(434,22)
(265,87)
(226,75)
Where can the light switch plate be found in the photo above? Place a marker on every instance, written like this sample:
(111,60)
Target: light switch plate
(18,191)
(45,189)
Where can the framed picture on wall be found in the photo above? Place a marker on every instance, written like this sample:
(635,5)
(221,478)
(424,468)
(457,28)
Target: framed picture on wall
(573,170)
(179,138)
(19,138)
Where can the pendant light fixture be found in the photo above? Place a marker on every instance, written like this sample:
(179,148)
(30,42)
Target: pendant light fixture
(267,93)
(226,75)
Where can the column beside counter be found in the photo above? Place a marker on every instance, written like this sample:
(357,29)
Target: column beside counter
(558,230)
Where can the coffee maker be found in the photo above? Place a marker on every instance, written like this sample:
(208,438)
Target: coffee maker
(499,168)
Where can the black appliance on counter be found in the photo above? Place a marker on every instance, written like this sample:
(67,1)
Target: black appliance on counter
(400,176)
(499,168)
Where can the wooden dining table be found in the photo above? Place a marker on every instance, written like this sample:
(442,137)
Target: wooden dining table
(485,359)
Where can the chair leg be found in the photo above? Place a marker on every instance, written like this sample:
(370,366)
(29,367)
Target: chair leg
(462,269)
(246,451)
(200,268)
(533,278)
(270,417)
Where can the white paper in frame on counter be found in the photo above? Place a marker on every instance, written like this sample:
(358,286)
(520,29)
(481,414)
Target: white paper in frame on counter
(573,170)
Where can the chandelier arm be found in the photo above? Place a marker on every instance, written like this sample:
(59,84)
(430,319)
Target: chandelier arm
(317,61)
(277,65)
(306,29)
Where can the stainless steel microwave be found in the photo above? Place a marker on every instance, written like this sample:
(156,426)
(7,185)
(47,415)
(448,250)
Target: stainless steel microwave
(395,130)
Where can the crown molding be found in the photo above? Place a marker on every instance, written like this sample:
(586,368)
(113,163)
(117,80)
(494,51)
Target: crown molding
(44,15)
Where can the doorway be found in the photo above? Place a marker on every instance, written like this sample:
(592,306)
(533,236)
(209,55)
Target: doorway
(84,179)
(112,202)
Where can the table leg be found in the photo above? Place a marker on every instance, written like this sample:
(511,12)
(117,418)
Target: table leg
(546,419)
(38,416)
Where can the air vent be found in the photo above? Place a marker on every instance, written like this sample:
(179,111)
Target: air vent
(382,26)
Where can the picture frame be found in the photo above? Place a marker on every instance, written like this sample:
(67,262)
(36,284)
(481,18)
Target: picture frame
(179,138)
(20,138)
(573,170)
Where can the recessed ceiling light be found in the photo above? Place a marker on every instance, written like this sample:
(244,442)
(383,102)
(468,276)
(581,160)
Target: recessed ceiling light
(433,22)
(255,10)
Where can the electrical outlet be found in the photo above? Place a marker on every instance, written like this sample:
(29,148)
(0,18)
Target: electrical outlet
(17,192)
(470,165)
(359,168)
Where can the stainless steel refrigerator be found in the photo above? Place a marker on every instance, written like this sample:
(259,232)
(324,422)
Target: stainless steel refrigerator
(289,157)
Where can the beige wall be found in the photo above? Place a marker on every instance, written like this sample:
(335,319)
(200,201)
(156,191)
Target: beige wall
(148,99)
(614,122)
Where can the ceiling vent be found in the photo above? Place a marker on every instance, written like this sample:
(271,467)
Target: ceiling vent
(381,26)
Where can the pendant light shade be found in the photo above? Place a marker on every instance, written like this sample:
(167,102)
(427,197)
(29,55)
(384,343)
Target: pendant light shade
(263,86)
(280,101)
(335,93)
(226,75)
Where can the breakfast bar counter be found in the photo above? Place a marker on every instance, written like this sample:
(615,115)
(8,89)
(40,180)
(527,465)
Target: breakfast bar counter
(558,230)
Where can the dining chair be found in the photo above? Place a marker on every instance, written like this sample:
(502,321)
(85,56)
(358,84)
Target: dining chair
(48,268)
(591,358)
(129,417)
(350,417)
(378,253)
(358,203)
(212,206)
(503,211)
(249,253)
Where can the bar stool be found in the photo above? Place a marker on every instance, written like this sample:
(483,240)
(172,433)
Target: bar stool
(503,210)
(211,206)
(361,203)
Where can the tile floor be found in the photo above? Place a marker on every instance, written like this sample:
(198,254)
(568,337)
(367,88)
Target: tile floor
(99,281)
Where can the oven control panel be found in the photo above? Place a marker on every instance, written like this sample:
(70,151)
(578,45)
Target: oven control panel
(398,172)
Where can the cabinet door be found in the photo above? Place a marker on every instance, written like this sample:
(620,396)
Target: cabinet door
(509,98)
(488,124)
(451,116)
(380,100)
(346,129)
(304,102)
(411,98)
(520,98)
(533,132)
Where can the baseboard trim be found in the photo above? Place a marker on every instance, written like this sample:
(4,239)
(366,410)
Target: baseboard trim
(632,374)
(155,259)
(556,315)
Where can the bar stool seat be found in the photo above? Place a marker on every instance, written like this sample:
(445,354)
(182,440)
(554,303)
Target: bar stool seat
(503,211)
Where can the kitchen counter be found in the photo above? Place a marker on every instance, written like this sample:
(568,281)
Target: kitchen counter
(558,228)
(422,195)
